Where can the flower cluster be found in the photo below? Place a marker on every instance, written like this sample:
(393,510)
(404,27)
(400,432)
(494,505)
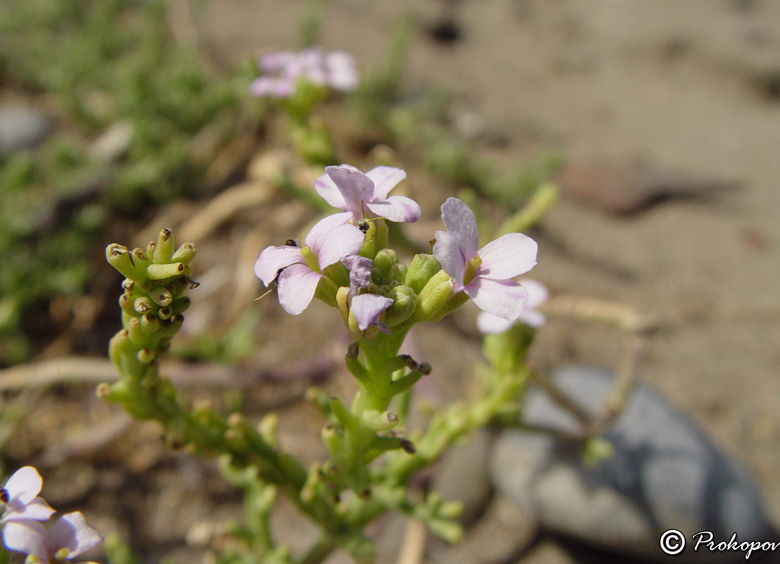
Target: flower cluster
(27,526)
(345,260)
(283,70)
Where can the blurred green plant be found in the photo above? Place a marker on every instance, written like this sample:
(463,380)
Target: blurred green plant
(102,66)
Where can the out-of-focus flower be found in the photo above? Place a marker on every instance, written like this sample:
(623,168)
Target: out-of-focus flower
(537,294)
(361,195)
(298,270)
(366,307)
(20,497)
(284,69)
(66,538)
(485,274)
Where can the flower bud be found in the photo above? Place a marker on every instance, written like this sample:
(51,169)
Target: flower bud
(433,296)
(398,273)
(422,269)
(184,254)
(404,304)
(384,260)
(166,244)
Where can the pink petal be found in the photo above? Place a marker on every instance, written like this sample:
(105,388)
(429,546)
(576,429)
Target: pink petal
(297,284)
(508,256)
(276,87)
(462,225)
(316,236)
(341,242)
(24,485)
(28,538)
(504,298)
(326,188)
(359,272)
(385,178)
(342,74)
(537,292)
(367,308)
(448,253)
(355,186)
(396,208)
(488,324)
(533,318)
(36,510)
(274,62)
(71,531)
(273,259)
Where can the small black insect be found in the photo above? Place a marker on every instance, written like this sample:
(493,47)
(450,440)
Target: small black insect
(4,496)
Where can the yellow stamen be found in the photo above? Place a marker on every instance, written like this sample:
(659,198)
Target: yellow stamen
(472,266)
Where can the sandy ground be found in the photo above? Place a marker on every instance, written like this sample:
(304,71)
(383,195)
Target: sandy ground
(688,86)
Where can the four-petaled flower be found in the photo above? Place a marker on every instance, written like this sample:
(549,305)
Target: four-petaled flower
(485,274)
(537,294)
(366,307)
(361,195)
(282,71)
(66,538)
(20,496)
(298,270)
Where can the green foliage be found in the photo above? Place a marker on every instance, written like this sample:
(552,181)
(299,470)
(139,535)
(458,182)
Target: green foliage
(102,63)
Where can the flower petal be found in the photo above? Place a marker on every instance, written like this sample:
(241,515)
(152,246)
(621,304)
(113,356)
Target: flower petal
(367,308)
(504,298)
(273,259)
(36,510)
(316,236)
(533,318)
(297,284)
(385,178)
(274,62)
(508,256)
(462,225)
(29,538)
(396,208)
(355,186)
(326,188)
(342,74)
(340,242)
(488,324)
(276,87)
(24,485)
(537,292)
(359,272)
(448,253)
(71,531)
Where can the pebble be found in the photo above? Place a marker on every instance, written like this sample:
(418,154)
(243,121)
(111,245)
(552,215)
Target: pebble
(21,128)
(664,474)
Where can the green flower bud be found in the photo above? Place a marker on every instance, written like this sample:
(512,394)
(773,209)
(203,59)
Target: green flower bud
(404,305)
(433,296)
(398,273)
(384,260)
(163,271)
(422,269)
(184,254)
(166,244)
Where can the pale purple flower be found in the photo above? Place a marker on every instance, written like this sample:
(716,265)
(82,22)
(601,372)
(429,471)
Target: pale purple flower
(366,307)
(20,496)
(299,270)
(361,195)
(284,69)
(66,538)
(537,294)
(485,274)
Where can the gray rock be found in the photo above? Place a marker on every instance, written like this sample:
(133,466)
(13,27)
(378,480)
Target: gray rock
(21,128)
(664,474)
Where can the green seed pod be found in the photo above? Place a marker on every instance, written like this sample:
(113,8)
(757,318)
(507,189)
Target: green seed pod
(136,334)
(163,271)
(143,305)
(161,296)
(150,323)
(398,273)
(140,257)
(404,304)
(379,422)
(422,269)
(166,244)
(121,259)
(118,345)
(126,303)
(185,253)
(150,248)
(165,313)
(145,355)
(384,260)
